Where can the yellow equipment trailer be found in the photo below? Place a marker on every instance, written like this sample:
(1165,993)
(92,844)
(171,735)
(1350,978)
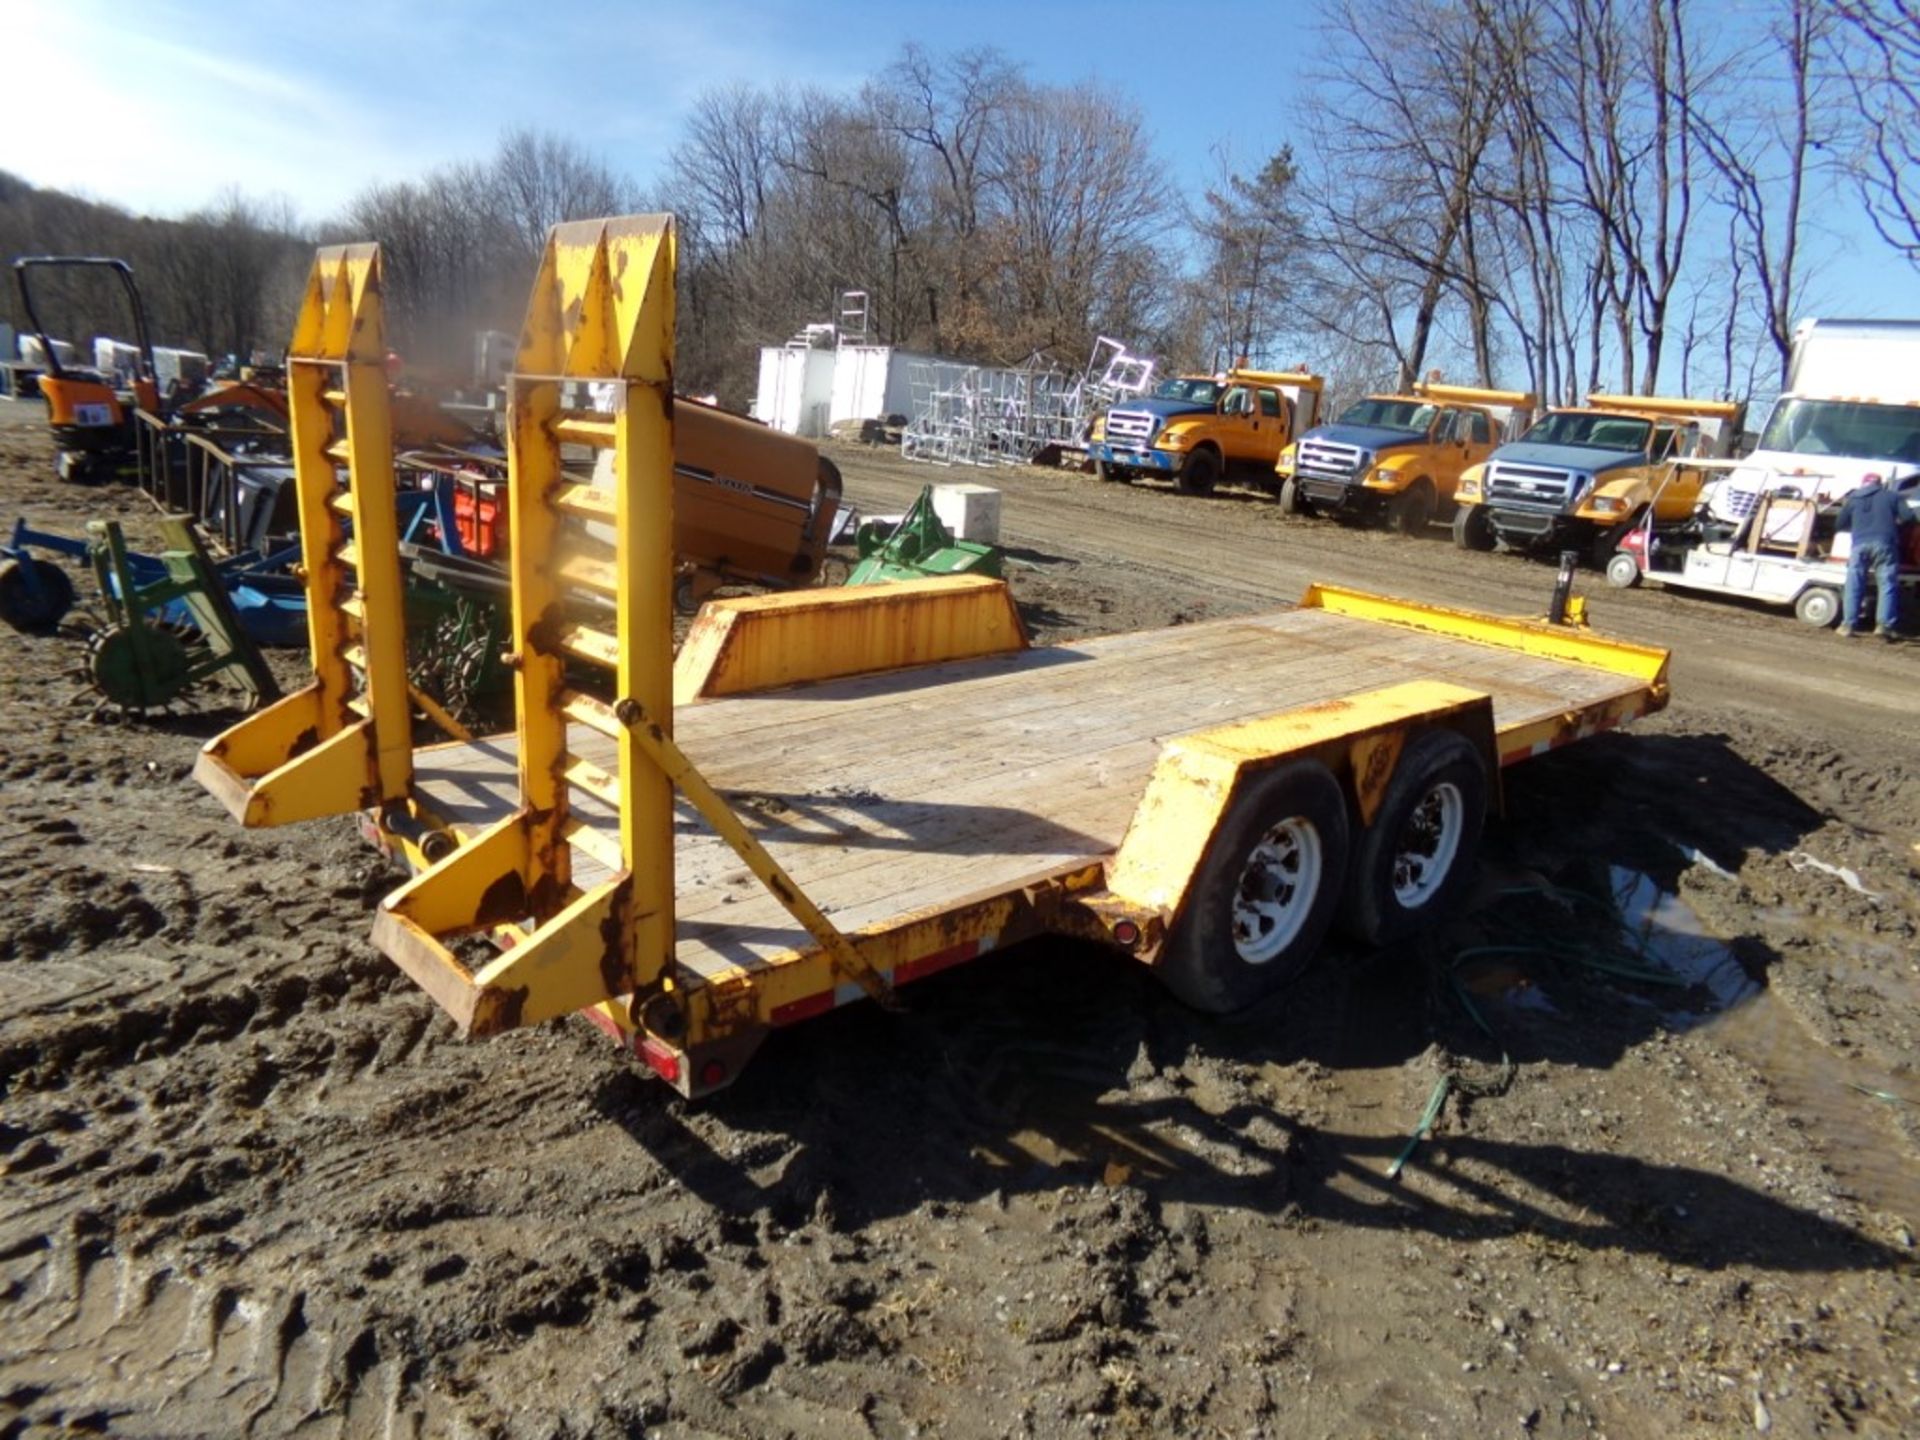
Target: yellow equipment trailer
(833,793)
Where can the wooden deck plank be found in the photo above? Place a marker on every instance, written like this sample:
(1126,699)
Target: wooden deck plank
(1029,677)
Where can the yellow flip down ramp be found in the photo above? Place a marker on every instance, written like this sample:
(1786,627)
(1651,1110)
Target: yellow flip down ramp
(345,741)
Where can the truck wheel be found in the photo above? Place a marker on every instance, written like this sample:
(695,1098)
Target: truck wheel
(25,608)
(1607,541)
(1291,502)
(1818,605)
(1415,861)
(1623,571)
(1112,474)
(1471,530)
(1412,510)
(1199,473)
(1265,892)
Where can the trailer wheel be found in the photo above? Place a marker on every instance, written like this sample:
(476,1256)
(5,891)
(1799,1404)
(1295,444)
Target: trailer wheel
(1291,501)
(1818,605)
(1265,892)
(1199,472)
(1471,530)
(1623,571)
(1412,511)
(20,605)
(1413,863)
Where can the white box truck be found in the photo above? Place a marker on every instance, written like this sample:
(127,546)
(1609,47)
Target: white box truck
(1851,407)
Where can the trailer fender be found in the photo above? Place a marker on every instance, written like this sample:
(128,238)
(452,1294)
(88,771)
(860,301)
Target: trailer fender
(1194,785)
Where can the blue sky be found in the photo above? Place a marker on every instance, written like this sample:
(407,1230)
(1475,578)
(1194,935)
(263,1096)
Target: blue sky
(169,102)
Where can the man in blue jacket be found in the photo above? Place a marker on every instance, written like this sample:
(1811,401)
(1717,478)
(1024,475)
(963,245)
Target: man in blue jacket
(1872,514)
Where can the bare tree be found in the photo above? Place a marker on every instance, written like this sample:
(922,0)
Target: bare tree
(1879,50)
(947,112)
(1767,176)
(459,242)
(1079,216)
(541,180)
(1247,231)
(1401,115)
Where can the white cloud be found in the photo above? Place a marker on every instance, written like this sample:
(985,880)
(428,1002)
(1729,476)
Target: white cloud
(164,105)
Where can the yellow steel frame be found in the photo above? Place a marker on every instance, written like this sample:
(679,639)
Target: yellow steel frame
(763,642)
(601,314)
(345,741)
(1645,663)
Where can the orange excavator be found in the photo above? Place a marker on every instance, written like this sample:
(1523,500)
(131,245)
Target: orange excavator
(92,420)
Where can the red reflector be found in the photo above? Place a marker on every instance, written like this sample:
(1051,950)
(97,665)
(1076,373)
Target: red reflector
(712,1073)
(663,1062)
(1126,933)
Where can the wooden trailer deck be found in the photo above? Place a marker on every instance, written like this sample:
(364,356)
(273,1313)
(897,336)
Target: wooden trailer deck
(887,796)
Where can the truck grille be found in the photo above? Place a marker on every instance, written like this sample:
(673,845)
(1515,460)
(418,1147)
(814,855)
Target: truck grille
(1328,459)
(1539,487)
(1136,426)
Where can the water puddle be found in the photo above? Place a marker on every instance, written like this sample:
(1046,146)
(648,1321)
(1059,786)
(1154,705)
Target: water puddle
(1835,1099)
(1662,932)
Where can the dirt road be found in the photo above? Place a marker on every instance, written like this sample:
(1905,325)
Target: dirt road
(255,1186)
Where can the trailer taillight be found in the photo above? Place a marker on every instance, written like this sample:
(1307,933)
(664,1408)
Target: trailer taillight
(712,1074)
(662,1061)
(1126,933)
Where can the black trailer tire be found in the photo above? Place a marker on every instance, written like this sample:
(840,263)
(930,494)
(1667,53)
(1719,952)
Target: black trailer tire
(1623,570)
(1411,511)
(1471,530)
(1818,605)
(1199,472)
(1265,893)
(25,610)
(1413,865)
(1291,501)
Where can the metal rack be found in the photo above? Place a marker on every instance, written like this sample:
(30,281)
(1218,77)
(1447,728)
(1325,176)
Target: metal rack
(986,415)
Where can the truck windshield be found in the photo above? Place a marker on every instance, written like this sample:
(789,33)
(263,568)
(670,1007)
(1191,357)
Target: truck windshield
(1190,392)
(1844,427)
(1594,430)
(1394,414)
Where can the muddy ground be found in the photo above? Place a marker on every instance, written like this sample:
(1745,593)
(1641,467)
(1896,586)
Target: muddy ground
(254,1184)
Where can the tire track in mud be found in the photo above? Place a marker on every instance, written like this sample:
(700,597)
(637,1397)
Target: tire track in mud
(186,1355)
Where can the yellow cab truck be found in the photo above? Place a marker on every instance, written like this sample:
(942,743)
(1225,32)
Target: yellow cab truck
(1398,457)
(1581,477)
(1197,429)
(830,794)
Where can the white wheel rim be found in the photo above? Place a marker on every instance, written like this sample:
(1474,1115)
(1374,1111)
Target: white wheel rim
(1276,890)
(1427,845)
